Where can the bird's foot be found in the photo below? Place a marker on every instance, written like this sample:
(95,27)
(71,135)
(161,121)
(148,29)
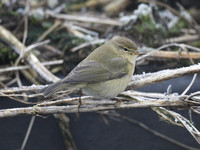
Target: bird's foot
(119,101)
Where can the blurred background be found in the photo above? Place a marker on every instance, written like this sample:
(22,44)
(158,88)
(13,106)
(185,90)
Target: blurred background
(70,30)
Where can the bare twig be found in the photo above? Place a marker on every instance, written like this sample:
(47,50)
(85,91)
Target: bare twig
(177,119)
(169,54)
(175,55)
(151,78)
(53,27)
(172,116)
(11,82)
(182,45)
(183,38)
(14,43)
(190,85)
(15,68)
(27,8)
(28,132)
(87,31)
(144,102)
(89,4)
(64,123)
(156,133)
(192,95)
(84,19)
(194,76)
(73,31)
(98,41)
(32,46)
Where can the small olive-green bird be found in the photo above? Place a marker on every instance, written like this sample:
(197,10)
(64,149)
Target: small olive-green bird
(105,73)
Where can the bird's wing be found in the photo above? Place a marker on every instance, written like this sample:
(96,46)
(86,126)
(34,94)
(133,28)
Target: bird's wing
(91,72)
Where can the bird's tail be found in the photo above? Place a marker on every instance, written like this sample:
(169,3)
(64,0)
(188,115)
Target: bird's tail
(53,88)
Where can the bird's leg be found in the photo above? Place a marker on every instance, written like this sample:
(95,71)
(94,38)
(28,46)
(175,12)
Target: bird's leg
(79,100)
(79,103)
(118,100)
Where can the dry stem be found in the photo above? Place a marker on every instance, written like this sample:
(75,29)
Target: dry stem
(84,19)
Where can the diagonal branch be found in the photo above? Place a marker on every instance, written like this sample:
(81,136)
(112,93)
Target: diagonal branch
(8,38)
(138,81)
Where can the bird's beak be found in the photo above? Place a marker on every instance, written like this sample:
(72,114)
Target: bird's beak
(138,53)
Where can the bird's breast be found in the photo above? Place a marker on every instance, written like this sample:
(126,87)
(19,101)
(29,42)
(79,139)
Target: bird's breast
(107,89)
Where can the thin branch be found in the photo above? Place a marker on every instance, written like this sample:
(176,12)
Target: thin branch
(73,31)
(177,119)
(138,81)
(87,31)
(192,95)
(98,41)
(194,76)
(64,123)
(28,132)
(182,45)
(11,82)
(156,133)
(156,51)
(21,89)
(175,101)
(15,68)
(49,30)
(84,19)
(182,38)
(175,55)
(32,46)
(7,37)
(27,8)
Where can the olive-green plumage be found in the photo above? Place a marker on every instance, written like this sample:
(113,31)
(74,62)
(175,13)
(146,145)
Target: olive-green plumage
(105,73)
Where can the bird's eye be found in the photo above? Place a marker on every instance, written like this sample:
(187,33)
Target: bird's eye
(125,49)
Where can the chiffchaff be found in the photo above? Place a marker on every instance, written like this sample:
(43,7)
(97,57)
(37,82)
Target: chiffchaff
(105,73)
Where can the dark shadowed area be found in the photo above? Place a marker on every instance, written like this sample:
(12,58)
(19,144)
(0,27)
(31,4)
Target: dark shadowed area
(91,132)
(60,34)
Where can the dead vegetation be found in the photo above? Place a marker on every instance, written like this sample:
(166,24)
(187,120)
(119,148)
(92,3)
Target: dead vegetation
(53,33)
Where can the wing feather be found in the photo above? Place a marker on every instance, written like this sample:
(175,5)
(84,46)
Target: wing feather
(91,71)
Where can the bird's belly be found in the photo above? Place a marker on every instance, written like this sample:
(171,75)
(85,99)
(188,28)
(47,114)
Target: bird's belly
(107,89)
